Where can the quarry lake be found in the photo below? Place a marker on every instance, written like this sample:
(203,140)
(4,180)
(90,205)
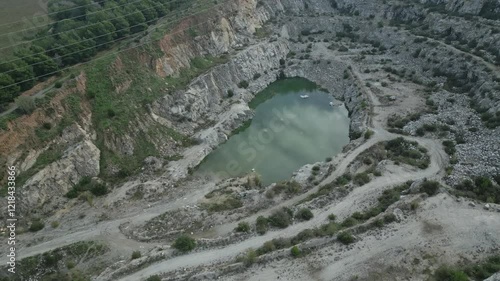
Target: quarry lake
(295,123)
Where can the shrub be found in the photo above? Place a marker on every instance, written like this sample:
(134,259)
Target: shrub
(36,225)
(430,187)
(58,84)
(243,227)
(54,224)
(361,179)
(420,132)
(295,251)
(304,214)
(256,76)
(315,168)
(250,258)
(280,219)
(26,103)
(154,278)
(243,84)
(389,218)
(332,217)
(345,238)
(350,221)
(184,243)
(47,125)
(230,93)
(368,134)
(449,274)
(282,61)
(136,255)
(328,159)
(99,189)
(261,225)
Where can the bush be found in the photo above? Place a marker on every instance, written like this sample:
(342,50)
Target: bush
(281,219)
(430,187)
(361,179)
(136,255)
(250,258)
(449,274)
(261,225)
(345,238)
(154,278)
(368,134)
(99,189)
(256,76)
(389,218)
(54,224)
(58,84)
(332,217)
(295,251)
(230,93)
(184,243)
(243,227)
(304,214)
(36,225)
(243,84)
(26,104)
(350,221)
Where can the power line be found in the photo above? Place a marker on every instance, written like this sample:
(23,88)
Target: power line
(91,38)
(80,51)
(114,53)
(84,15)
(78,28)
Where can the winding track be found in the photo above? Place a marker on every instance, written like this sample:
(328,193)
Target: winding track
(438,160)
(109,230)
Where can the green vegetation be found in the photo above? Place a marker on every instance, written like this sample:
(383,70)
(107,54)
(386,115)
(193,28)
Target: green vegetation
(87,184)
(36,225)
(295,251)
(136,255)
(368,134)
(261,225)
(345,237)
(229,203)
(243,227)
(281,218)
(59,264)
(304,214)
(430,187)
(77,35)
(287,187)
(480,188)
(184,243)
(361,179)
(154,278)
(408,152)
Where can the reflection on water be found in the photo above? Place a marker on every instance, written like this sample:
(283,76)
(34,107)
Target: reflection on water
(294,124)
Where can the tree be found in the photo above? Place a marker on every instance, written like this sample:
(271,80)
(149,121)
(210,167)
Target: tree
(26,103)
(21,72)
(35,56)
(184,243)
(8,91)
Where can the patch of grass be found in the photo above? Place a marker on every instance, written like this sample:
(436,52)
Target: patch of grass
(229,203)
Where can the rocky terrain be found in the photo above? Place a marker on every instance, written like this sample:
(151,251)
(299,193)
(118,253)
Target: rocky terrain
(414,196)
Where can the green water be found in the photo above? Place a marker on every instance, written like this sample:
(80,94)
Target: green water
(286,133)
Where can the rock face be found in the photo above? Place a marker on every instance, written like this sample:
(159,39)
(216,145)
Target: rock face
(51,183)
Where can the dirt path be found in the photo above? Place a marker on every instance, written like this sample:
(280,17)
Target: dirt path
(358,199)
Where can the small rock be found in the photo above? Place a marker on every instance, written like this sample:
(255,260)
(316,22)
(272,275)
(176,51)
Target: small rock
(487,206)
(472,204)
(392,98)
